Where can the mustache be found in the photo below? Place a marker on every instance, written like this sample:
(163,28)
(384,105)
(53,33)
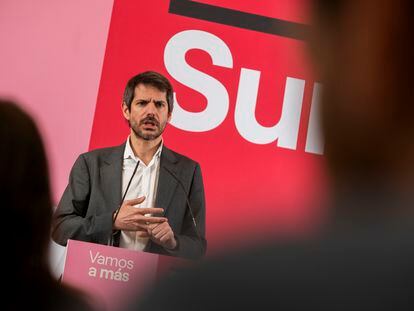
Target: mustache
(149,119)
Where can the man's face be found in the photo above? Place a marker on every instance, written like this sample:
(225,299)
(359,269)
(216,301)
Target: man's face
(149,113)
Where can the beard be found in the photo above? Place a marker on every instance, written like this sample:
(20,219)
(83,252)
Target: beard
(147,134)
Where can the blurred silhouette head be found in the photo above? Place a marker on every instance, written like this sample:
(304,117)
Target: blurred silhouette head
(363,53)
(24,188)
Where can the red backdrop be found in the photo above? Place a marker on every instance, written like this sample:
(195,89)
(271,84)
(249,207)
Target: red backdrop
(253,188)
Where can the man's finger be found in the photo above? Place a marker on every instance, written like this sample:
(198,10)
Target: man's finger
(135,201)
(165,238)
(150,210)
(161,234)
(153,220)
(156,230)
(154,226)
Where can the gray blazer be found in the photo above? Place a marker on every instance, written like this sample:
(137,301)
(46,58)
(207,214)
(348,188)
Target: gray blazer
(94,193)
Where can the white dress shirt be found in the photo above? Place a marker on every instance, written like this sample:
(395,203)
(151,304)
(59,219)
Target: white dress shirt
(144,183)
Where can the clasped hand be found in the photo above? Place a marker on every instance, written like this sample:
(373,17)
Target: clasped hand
(131,218)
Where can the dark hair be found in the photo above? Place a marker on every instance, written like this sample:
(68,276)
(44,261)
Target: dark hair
(24,188)
(154,79)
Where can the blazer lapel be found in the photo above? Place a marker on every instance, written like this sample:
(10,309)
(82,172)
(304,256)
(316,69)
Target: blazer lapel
(111,176)
(166,183)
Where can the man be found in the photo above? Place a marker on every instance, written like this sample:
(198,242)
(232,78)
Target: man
(364,258)
(148,178)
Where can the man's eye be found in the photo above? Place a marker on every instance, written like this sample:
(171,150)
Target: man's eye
(160,104)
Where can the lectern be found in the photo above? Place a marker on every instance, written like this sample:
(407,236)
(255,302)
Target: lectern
(112,276)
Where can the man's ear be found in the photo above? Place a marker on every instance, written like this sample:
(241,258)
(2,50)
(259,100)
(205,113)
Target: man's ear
(125,111)
(169,116)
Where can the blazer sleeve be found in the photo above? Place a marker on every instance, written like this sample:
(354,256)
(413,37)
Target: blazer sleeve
(191,240)
(74,217)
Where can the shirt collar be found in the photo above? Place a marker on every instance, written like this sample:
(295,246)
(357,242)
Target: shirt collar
(129,153)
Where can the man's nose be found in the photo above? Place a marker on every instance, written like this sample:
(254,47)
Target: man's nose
(151,108)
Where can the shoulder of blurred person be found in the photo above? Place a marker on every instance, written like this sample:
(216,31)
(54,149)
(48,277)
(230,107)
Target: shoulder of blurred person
(26,198)
(366,268)
(71,299)
(45,293)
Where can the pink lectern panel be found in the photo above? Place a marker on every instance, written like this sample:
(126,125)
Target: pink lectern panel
(110,275)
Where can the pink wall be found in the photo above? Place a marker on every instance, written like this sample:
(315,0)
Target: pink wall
(51,60)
